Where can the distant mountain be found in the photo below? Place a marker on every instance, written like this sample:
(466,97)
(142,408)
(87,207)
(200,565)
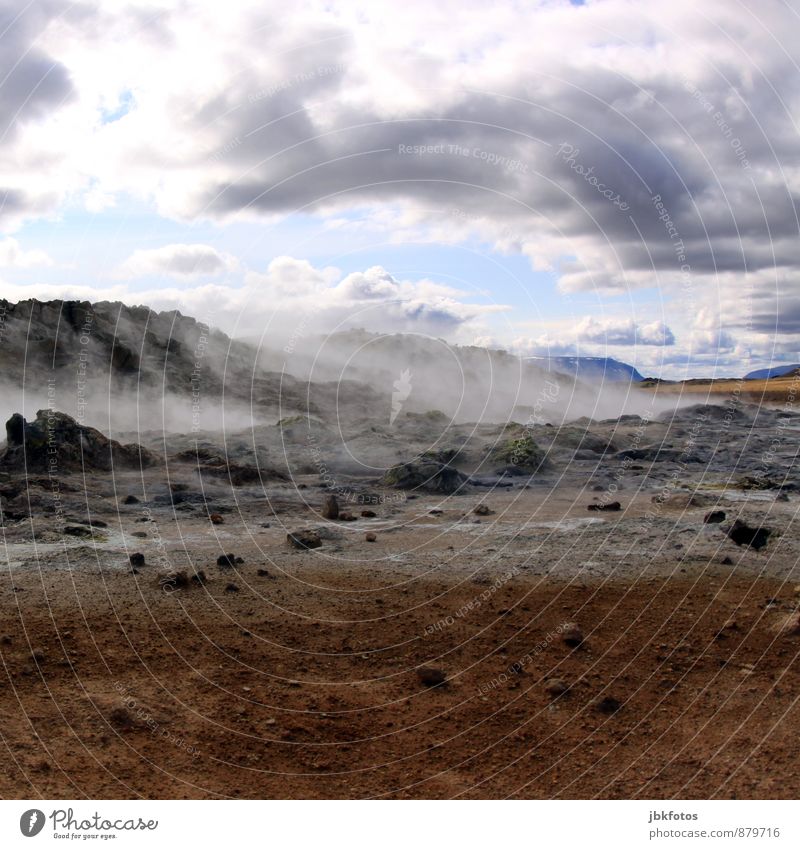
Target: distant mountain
(774,371)
(590,368)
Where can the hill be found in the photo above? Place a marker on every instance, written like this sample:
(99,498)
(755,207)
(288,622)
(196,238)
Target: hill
(590,368)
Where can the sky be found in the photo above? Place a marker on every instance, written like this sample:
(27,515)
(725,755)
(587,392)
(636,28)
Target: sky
(606,178)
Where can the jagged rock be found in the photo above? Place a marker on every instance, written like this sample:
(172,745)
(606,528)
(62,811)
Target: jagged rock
(55,442)
(743,534)
(303,539)
(330,508)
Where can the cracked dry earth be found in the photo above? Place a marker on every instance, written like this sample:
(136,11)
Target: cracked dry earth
(296,673)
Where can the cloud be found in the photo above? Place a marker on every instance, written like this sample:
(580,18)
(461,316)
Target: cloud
(176,261)
(623,332)
(13,256)
(291,293)
(659,151)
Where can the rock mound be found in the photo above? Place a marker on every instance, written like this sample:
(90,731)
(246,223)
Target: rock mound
(56,442)
(425,475)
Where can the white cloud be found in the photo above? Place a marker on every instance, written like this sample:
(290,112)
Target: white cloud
(293,292)
(693,104)
(176,261)
(13,256)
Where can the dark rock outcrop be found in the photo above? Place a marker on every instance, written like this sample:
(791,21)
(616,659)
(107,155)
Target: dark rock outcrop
(56,443)
(426,475)
(743,534)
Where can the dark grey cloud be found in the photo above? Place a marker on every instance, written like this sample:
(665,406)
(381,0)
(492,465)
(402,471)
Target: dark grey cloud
(33,82)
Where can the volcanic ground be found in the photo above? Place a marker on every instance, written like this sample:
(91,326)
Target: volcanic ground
(602,609)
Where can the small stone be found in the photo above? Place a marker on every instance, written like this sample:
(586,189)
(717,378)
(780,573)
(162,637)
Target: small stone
(555,687)
(431,676)
(715,517)
(726,561)
(122,719)
(347,517)
(330,508)
(226,560)
(77,531)
(139,534)
(136,559)
(216,519)
(231,588)
(38,655)
(370,537)
(482,510)
(572,634)
(130,499)
(610,507)
(303,539)
(368,514)
(608,705)
(263,573)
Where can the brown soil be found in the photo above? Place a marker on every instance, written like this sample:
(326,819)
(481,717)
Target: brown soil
(775,391)
(303,684)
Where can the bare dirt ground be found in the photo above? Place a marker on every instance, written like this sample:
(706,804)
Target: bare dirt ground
(303,682)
